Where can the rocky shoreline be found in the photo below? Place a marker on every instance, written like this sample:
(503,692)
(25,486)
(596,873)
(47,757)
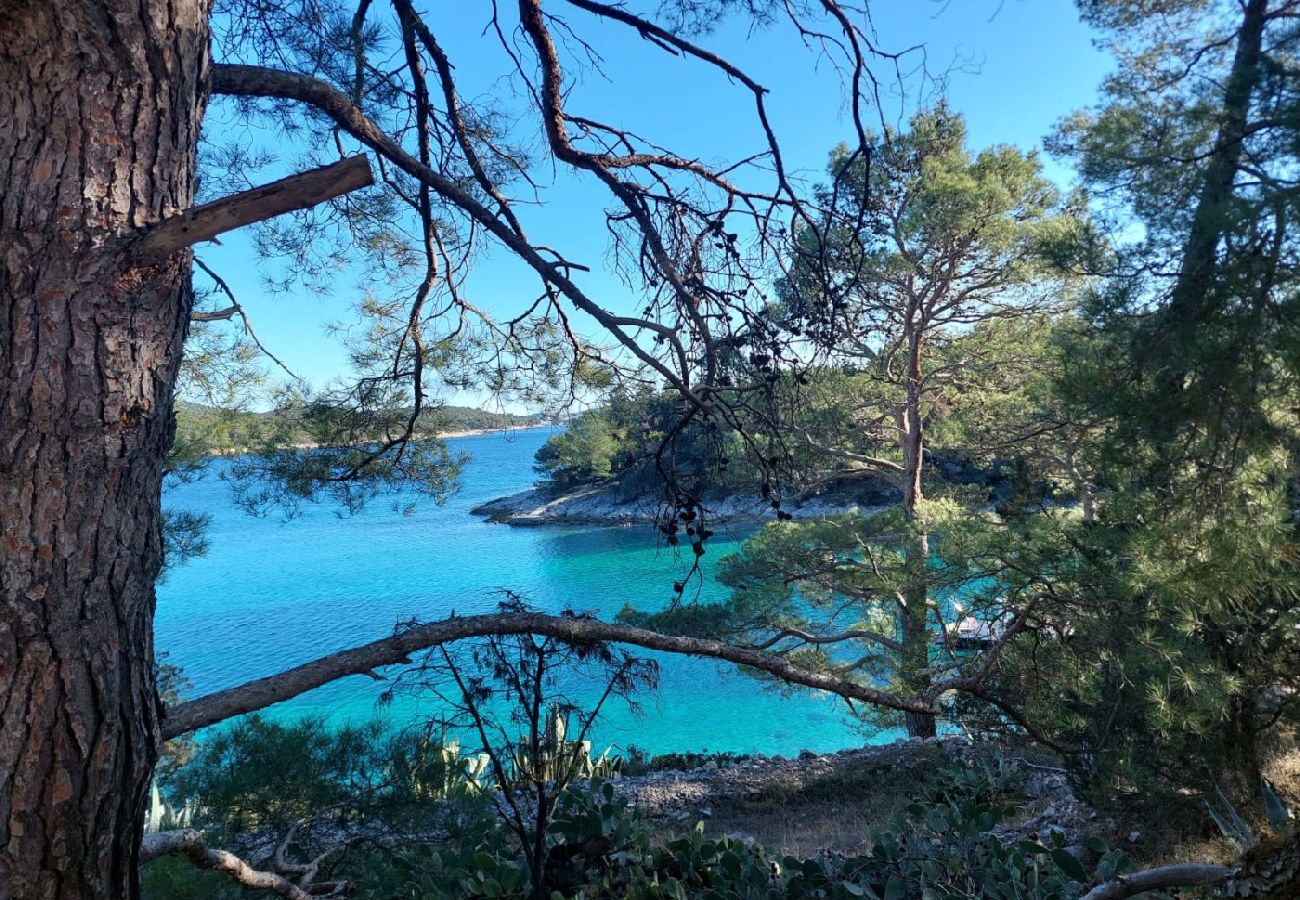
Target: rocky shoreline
(610,502)
(605,504)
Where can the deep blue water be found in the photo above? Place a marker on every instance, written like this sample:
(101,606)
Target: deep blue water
(273,593)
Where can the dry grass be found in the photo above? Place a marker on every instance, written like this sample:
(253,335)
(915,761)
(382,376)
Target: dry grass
(839,811)
(803,821)
(836,813)
(1284,771)
(1186,834)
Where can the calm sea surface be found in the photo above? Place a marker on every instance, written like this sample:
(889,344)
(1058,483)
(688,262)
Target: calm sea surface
(273,593)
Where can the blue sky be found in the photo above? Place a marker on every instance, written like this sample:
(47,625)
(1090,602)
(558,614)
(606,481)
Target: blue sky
(1013,67)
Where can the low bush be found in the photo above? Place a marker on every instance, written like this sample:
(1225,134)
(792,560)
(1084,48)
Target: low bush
(941,845)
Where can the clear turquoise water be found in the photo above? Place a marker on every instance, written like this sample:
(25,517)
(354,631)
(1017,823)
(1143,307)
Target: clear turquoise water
(274,593)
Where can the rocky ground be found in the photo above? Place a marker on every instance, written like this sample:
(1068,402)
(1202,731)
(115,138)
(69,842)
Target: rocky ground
(820,803)
(829,804)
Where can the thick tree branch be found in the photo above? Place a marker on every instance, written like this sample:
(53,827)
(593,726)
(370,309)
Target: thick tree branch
(885,469)
(1176,875)
(301,191)
(255,695)
(220,315)
(192,844)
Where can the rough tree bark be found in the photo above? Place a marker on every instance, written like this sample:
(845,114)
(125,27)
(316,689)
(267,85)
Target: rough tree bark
(915,617)
(1191,291)
(100,103)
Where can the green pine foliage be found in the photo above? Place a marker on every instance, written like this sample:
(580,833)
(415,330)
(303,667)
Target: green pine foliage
(1165,661)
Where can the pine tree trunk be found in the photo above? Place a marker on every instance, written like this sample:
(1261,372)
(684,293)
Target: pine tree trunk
(916,634)
(1191,291)
(100,105)
(916,552)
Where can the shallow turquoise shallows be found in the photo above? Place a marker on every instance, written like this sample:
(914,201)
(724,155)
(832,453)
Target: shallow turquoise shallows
(273,593)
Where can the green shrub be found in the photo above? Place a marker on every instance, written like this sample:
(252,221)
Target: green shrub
(939,847)
(263,775)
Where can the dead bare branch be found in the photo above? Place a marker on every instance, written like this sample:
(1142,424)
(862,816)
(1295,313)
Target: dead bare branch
(1176,875)
(301,191)
(193,844)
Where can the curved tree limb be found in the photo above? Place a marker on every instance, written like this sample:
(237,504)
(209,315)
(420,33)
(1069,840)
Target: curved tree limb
(220,315)
(882,468)
(254,695)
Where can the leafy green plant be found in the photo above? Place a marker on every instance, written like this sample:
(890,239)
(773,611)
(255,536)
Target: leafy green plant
(436,769)
(265,775)
(162,816)
(509,691)
(561,759)
(636,761)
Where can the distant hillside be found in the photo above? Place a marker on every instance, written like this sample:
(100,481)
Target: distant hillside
(469,418)
(195,418)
